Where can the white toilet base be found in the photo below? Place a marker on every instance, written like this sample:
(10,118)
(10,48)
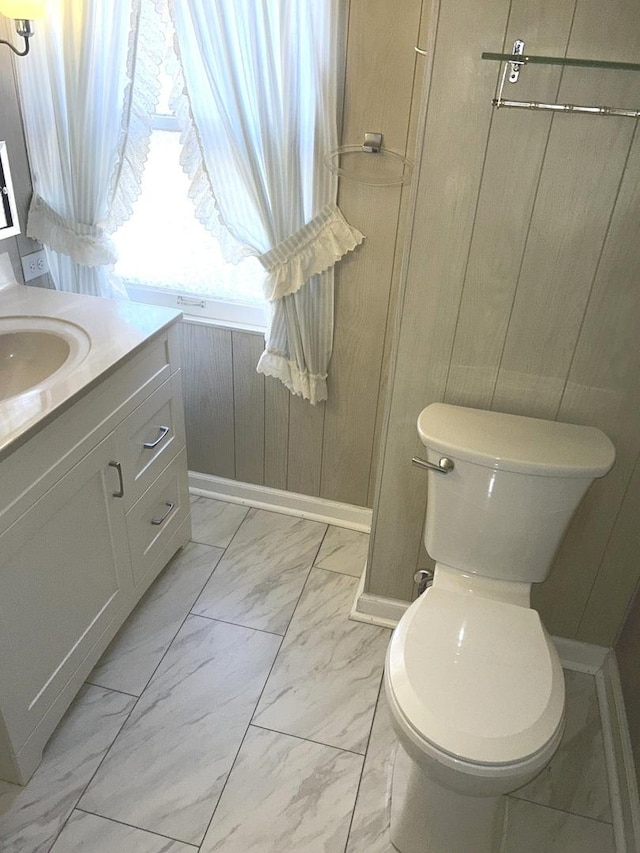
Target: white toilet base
(428,818)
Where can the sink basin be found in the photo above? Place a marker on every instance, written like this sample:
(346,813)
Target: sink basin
(37,351)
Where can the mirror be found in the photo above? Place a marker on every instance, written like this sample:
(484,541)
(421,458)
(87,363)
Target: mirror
(9,225)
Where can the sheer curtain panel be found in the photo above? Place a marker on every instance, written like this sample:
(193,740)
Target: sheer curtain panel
(261,86)
(87,92)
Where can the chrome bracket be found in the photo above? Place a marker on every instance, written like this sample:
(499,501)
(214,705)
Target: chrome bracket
(518,50)
(443,467)
(423,579)
(372,143)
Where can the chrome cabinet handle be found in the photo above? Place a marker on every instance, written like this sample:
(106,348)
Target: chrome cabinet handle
(170,505)
(164,431)
(118,467)
(443,467)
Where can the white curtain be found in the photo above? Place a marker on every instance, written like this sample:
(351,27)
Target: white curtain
(261,81)
(87,89)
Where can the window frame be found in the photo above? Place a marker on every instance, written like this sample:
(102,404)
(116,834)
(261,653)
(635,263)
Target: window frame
(197,306)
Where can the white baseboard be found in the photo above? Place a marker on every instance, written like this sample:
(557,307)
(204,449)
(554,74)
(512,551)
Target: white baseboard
(375,609)
(580,657)
(278,500)
(623,783)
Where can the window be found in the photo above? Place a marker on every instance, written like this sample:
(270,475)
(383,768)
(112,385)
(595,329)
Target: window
(167,257)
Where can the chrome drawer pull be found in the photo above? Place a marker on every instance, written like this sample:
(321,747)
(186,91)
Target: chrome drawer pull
(164,430)
(170,505)
(118,467)
(443,467)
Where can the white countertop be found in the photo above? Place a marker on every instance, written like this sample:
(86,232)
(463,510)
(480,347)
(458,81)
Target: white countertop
(116,330)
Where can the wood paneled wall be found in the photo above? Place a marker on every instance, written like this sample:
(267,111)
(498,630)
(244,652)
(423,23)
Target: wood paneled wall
(243,426)
(522,285)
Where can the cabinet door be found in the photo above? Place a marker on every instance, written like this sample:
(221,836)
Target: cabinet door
(65,574)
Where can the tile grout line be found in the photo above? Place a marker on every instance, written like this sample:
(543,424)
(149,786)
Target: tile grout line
(235,533)
(235,624)
(249,724)
(137,698)
(134,706)
(558,809)
(293,613)
(244,736)
(209,576)
(189,613)
(139,828)
(112,689)
(366,752)
(307,740)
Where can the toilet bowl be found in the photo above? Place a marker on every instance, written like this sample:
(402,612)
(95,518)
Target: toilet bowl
(473,681)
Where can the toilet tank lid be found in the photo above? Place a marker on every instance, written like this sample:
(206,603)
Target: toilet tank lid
(515,443)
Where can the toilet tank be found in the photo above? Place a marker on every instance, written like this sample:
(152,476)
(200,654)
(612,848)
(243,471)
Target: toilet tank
(516,482)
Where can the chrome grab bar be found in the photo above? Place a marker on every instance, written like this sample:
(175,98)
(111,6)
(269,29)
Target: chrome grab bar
(443,467)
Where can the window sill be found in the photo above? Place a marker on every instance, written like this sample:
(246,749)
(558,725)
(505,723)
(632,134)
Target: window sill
(202,310)
(231,325)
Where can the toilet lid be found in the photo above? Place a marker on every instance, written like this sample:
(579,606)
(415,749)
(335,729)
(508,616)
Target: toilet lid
(477,678)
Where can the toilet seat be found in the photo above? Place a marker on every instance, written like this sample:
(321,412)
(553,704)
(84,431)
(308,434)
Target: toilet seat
(477,678)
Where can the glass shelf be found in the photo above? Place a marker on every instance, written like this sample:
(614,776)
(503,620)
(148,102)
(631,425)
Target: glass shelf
(527,59)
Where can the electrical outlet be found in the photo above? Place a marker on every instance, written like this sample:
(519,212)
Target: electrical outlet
(34,265)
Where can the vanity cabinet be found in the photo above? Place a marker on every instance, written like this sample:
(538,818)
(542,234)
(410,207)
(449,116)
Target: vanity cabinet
(91,509)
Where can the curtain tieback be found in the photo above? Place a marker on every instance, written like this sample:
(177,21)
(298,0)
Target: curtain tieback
(89,245)
(310,250)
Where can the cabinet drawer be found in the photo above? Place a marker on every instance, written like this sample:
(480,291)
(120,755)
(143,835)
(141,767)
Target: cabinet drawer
(157,515)
(150,437)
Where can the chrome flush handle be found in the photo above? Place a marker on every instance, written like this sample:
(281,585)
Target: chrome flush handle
(443,467)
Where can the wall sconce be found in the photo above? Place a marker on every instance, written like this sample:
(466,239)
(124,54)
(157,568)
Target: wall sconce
(23,12)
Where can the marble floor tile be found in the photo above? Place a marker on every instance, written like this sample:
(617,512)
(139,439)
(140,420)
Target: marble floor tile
(285,794)
(215,522)
(575,780)
(258,581)
(324,684)
(32,816)
(531,828)
(167,767)
(137,649)
(86,832)
(370,828)
(343,551)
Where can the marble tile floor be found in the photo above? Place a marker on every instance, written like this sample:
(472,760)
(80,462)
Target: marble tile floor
(239,710)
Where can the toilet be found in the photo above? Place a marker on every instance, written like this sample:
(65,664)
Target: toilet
(473,681)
